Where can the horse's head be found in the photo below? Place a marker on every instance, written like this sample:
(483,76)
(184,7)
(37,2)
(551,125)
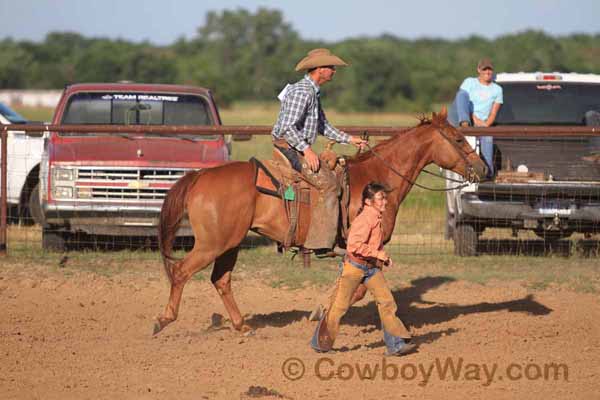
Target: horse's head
(452,151)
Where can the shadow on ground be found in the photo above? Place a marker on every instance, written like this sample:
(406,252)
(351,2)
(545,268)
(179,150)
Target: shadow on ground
(407,300)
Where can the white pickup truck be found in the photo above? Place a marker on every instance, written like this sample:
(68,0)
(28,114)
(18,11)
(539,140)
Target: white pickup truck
(24,155)
(548,185)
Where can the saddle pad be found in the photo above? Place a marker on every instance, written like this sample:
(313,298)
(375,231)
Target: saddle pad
(269,182)
(264,180)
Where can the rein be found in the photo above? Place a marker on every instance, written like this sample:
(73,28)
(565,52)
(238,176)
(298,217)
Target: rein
(395,171)
(452,142)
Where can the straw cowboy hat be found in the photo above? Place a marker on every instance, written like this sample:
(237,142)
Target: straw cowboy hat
(319,58)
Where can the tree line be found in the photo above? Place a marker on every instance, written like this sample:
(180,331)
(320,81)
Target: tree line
(246,56)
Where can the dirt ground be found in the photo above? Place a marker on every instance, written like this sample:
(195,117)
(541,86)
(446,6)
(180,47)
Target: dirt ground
(85,335)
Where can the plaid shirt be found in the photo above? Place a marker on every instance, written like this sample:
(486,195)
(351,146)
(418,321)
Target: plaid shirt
(301,117)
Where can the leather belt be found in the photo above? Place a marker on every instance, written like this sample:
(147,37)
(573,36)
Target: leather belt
(282,143)
(359,260)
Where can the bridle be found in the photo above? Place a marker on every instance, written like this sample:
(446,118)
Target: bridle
(471,176)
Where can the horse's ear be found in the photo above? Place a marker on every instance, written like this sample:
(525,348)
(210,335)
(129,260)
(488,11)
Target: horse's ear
(444,113)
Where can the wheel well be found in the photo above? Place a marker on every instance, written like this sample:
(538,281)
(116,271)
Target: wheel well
(32,179)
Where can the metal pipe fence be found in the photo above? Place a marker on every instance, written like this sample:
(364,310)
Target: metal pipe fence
(422,225)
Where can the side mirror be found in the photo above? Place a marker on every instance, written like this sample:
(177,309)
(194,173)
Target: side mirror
(240,137)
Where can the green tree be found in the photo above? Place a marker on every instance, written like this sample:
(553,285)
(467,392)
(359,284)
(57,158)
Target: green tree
(252,52)
(376,78)
(13,64)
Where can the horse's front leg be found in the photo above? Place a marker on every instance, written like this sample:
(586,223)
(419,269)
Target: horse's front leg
(221,279)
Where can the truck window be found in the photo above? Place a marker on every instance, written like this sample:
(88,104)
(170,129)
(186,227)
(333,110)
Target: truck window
(547,103)
(138,109)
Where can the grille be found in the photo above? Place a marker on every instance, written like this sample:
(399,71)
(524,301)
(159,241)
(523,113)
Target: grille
(101,182)
(172,175)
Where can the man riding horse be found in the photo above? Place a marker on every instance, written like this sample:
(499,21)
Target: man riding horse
(300,118)
(223,203)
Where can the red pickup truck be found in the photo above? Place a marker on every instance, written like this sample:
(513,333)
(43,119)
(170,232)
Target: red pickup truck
(114,183)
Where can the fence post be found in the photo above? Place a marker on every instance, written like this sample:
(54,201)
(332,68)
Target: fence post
(3,192)
(305,257)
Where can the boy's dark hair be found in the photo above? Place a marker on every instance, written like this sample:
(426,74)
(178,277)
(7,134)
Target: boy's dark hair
(369,192)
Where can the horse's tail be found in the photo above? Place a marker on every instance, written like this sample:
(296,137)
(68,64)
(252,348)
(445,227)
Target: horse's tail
(171,214)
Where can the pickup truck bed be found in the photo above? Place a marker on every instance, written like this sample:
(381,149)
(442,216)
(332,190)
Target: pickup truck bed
(546,184)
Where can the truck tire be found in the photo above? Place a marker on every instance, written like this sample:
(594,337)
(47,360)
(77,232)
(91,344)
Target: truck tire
(35,210)
(450,223)
(53,240)
(465,240)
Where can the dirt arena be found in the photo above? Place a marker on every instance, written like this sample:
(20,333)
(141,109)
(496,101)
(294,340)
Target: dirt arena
(84,335)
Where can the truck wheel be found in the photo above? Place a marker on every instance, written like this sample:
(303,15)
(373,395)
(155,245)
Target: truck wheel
(35,210)
(53,240)
(465,240)
(450,224)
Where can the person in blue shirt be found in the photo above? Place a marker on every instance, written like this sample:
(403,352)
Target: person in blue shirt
(477,103)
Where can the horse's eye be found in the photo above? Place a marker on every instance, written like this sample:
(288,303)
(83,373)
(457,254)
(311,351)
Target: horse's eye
(459,141)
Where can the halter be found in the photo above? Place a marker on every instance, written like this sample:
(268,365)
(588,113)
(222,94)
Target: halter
(464,156)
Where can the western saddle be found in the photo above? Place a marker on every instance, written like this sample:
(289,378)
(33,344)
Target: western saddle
(277,178)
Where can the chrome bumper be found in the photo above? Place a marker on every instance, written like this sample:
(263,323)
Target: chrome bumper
(103,219)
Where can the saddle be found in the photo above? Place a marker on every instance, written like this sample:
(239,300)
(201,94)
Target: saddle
(277,178)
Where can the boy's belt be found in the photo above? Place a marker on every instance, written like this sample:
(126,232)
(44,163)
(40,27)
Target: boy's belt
(359,261)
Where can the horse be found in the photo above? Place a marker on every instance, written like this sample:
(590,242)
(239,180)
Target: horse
(223,204)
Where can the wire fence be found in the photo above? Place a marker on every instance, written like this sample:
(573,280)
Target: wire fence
(543,197)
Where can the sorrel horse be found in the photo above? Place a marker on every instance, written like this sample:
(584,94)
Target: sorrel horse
(222,204)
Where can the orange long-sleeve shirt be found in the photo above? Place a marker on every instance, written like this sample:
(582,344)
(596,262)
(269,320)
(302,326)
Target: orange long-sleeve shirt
(365,239)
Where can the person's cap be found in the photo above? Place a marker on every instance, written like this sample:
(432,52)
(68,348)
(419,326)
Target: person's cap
(485,63)
(319,58)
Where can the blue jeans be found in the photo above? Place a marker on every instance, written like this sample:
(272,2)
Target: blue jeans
(368,271)
(460,111)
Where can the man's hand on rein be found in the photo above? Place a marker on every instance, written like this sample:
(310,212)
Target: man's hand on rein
(358,142)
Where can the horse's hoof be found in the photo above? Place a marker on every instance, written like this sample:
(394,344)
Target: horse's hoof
(157,328)
(244,330)
(159,325)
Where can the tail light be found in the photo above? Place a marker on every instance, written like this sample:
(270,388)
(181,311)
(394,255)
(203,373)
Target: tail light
(548,77)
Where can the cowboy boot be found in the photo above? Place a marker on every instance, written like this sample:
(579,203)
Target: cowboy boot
(321,341)
(396,346)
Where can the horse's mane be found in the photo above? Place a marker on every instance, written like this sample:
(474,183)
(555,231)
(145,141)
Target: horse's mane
(423,122)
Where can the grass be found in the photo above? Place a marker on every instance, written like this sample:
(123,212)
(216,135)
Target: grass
(261,261)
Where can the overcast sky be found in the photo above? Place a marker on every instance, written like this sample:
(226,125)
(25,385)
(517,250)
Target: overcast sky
(163,21)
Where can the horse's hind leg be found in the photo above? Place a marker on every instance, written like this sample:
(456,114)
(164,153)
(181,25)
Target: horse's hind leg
(221,279)
(193,262)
